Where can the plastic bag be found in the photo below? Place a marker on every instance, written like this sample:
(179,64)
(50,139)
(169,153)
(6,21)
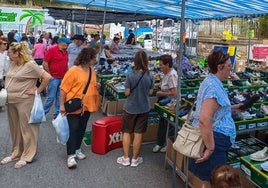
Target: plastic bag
(3,97)
(37,113)
(62,128)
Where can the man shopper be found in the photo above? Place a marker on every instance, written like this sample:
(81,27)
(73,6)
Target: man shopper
(56,63)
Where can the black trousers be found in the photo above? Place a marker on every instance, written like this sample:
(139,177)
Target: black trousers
(77,126)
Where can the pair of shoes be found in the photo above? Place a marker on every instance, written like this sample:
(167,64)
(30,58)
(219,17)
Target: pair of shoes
(7,160)
(163,149)
(261,155)
(156,148)
(20,164)
(123,161)
(80,155)
(71,162)
(136,162)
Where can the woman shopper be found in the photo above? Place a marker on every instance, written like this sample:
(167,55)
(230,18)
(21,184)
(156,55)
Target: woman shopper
(168,90)
(72,86)
(139,85)
(20,83)
(213,105)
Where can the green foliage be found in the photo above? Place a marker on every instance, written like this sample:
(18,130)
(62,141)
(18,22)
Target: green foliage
(263,26)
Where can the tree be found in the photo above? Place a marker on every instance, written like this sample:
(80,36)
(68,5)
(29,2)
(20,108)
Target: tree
(33,18)
(263,26)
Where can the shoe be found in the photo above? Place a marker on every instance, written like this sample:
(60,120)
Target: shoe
(71,162)
(136,162)
(7,160)
(156,148)
(264,108)
(20,164)
(265,166)
(79,154)
(261,155)
(163,149)
(123,161)
(248,103)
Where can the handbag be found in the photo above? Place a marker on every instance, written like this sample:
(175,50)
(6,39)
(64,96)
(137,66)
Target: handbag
(76,103)
(189,141)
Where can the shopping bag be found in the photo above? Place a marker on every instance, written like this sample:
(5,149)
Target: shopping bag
(37,113)
(62,128)
(3,97)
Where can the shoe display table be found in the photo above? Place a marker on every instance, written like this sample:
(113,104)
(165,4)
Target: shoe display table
(106,134)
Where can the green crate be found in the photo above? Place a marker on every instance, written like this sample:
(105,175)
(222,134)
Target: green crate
(259,176)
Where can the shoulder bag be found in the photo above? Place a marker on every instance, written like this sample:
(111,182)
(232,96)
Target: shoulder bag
(189,141)
(76,103)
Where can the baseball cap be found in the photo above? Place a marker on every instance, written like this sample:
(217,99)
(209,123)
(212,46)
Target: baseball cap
(78,37)
(65,40)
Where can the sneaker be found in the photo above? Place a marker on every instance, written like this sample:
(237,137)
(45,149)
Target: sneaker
(261,155)
(136,162)
(123,161)
(156,148)
(71,162)
(163,149)
(79,154)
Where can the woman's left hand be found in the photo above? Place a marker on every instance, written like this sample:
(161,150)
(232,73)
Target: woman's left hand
(204,156)
(31,91)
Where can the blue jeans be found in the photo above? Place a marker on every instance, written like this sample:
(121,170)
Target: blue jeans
(53,92)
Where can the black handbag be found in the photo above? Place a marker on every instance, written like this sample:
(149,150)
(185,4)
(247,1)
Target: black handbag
(76,103)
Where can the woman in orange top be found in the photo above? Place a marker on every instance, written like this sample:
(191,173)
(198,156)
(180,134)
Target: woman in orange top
(72,86)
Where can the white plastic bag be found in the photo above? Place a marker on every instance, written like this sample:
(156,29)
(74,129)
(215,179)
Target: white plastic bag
(3,97)
(62,128)
(37,113)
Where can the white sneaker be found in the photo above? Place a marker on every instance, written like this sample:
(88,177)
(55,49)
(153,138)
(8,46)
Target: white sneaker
(156,148)
(123,161)
(136,162)
(163,149)
(80,155)
(71,162)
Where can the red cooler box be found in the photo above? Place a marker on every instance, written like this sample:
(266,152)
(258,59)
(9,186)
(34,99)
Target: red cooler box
(106,134)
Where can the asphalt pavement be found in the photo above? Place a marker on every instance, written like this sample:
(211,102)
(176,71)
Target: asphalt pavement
(49,169)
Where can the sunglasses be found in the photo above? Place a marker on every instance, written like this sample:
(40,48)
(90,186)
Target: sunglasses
(4,43)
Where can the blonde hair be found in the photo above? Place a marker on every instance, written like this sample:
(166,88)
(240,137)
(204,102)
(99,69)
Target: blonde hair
(23,50)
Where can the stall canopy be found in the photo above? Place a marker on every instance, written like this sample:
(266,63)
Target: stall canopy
(96,16)
(194,10)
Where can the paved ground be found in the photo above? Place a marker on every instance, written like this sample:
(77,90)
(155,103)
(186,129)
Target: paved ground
(49,170)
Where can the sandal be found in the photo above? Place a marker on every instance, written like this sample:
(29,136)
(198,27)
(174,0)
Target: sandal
(20,164)
(7,160)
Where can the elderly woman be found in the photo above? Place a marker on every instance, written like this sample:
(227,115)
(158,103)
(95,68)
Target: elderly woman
(213,105)
(20,83)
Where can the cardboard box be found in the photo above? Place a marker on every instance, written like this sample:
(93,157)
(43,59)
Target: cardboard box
(170,154)
(151,133)
(112,107)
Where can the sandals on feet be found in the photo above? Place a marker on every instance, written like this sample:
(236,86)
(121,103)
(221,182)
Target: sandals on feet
(20,164)
(7,160)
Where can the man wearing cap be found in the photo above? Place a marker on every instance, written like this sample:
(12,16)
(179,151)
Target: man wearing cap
(75,48)
(56,63)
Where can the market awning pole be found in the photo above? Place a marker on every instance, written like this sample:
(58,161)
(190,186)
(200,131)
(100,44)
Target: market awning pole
(85,18)
(102,30)
(179,71)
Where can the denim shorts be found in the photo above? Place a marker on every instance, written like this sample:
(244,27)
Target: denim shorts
(219,156)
